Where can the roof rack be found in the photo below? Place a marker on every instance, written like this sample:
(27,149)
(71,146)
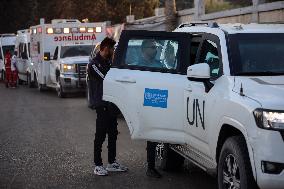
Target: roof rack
(23,31)
(7,35)
(208,24)
(64,21)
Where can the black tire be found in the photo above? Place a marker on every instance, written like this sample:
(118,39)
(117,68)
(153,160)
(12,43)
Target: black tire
(60,92)
(2,75)
(4,79)
(35,81)
(169,160)
(20,82)
(29,81)
(234,163)
(38,85)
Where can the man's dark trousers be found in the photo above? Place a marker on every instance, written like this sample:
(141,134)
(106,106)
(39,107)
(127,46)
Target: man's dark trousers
(106,123)
(151,152)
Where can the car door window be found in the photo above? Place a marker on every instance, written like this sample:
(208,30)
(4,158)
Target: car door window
(25,52)
(152,53)
(209,55)
(29,49)
(20,50)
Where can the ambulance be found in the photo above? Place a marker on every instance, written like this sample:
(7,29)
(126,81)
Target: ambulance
(7,42)
(60,53)
(23,59)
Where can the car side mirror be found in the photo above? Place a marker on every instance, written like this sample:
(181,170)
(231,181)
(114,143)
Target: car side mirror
(200,73)
(46,56)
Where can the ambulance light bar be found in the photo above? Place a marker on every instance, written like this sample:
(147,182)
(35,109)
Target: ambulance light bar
(58,30)
(49,30)
(98,29)
(66,30)
(74,30)
(39,30)
(70,30)
(90,30)
(82,30)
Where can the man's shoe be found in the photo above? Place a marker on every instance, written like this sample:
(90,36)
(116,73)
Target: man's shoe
(101,171)
(92,107)
(152,172)
(116,167)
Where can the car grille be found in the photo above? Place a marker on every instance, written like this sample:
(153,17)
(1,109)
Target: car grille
(81,74)
(81,70)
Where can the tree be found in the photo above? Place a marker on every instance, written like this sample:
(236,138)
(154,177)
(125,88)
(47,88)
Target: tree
(171,14)
(16,15)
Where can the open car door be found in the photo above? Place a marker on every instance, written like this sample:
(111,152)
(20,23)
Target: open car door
(147,81)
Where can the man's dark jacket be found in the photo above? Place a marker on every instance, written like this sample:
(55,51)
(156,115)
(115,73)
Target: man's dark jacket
(97,69)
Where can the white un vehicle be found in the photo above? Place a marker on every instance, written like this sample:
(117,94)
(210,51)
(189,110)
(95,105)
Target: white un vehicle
(60,53)
(219,105)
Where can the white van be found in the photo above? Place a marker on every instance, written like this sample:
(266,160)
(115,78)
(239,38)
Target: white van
(22,47)
(47,41)
(7,42)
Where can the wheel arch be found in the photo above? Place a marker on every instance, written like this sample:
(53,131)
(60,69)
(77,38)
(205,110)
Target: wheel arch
(123,111)
(228,130)
(57,74)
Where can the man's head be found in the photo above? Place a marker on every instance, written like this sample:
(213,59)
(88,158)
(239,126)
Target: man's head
(149,49)
(107,48)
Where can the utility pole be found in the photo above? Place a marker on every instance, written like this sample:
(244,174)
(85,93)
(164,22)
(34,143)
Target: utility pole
(171,15)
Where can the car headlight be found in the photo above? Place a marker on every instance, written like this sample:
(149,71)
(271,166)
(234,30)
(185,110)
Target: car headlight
(269,119)
(68,68)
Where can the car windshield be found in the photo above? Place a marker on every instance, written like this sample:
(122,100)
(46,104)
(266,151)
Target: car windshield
(78,50)
(9,48)
(257,54)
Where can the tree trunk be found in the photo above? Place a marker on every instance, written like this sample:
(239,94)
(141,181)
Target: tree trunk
(171,15)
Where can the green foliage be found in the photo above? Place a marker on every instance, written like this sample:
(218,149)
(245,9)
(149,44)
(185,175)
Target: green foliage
(221,5)
(16,14)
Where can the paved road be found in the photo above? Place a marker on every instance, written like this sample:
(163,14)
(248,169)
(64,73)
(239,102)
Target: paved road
(47,142)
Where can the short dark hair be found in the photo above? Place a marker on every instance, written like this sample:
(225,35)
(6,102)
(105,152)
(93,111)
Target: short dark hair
(145,42)
(107,42)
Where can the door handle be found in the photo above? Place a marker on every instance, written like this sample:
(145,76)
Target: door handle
(125,80)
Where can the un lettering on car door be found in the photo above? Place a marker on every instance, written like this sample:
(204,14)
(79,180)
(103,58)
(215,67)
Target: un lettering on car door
(197,113)
(195,118)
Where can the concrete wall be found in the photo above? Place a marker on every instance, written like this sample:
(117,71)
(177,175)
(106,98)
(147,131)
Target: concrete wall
(257,13)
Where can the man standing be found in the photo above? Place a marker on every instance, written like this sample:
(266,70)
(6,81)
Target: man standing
(14,70)
(8,72)
(106,122)
(149,51)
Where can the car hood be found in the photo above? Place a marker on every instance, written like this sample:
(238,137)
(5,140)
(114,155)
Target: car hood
(75,60)
(267,90)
